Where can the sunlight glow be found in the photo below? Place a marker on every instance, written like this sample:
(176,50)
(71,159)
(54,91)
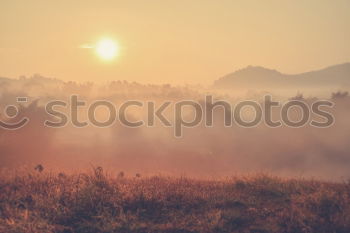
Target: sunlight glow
(107,49)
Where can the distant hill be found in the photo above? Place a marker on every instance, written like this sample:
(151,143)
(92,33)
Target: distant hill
(256,77)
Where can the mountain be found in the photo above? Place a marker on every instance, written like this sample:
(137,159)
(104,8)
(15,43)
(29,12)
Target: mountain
(256,77)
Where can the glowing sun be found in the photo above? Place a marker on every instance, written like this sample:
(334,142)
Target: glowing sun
(107,49)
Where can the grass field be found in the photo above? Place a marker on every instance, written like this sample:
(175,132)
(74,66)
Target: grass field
(96,202)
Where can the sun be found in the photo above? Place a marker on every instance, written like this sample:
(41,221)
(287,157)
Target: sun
(107,49)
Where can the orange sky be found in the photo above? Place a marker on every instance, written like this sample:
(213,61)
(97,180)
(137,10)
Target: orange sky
(176,42)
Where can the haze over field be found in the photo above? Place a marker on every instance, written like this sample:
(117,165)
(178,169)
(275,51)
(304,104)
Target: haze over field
(172,51)
(174,116)
(206,152)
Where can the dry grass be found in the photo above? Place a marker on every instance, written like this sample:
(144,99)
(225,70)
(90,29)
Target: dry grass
(94,202)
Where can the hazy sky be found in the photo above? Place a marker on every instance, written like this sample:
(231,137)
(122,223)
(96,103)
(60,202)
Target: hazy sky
(178,41)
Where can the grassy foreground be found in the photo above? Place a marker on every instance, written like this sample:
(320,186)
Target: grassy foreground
(94,202)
